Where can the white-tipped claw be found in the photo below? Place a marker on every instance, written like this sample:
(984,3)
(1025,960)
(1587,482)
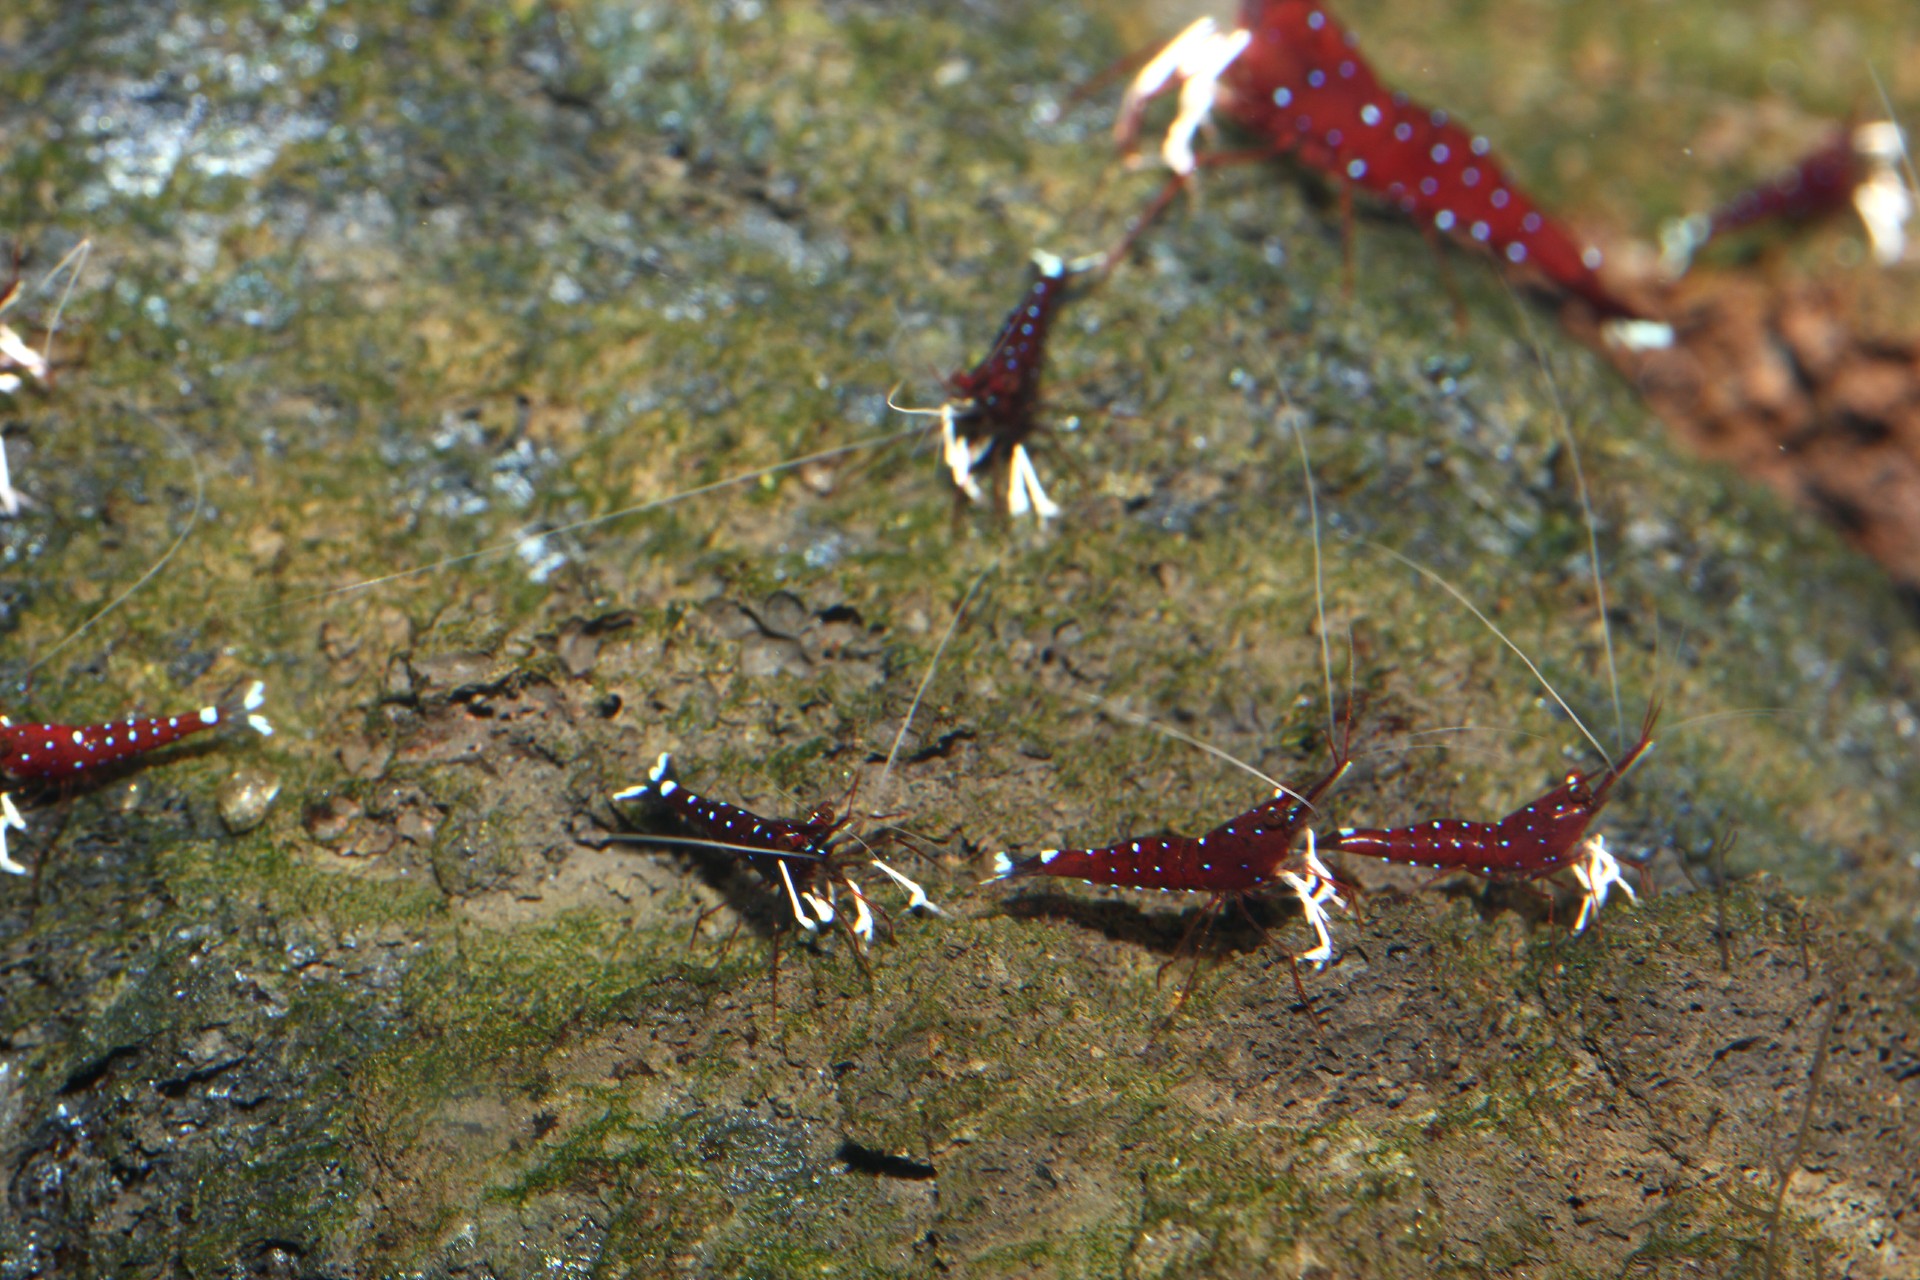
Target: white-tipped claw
(1002,868)
(799,913)
(1320,872)
(862,917)
(916,896)
(15,351)
(821,907)
(10,819)
(1024,491)
(1197,57)
(1312,892)
(960,457)
(1885,206)
(256,696)
(1597,872)
(260,725)
(9,496)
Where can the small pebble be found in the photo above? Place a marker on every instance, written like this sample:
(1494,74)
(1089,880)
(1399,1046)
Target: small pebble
(245,798)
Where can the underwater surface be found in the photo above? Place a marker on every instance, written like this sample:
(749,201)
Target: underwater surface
(506,387)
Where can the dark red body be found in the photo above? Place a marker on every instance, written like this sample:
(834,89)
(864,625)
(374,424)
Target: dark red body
(1536,839)
(809,839)
(49,752)
(1821,184)
(1238,856)
(1303,85)
(1004,388)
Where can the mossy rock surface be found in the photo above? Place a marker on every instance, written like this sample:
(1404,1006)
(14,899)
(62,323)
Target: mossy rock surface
(374,288)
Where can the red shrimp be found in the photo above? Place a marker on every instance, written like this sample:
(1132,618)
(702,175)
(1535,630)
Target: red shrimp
(61,752)
(994,402)
(1856,167)
(1236,858)
(1291,74)
(57,752)
(808,848)
(1537,839)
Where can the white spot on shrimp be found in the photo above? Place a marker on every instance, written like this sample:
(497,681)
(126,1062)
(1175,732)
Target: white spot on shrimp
(1590,258)
(1439,153)
(1481,146)
(1532,222)
(209,715)
(1356,169)
(1370,114)
(1347,69)
(78,737)
(1438,117)
(1480,231)
(1444,219)
(1316,78)
(1316,20)
(1403,131)
(1500,197)
(1516,252)
(668,787)
(1283,97)
(1429,186)
(1470,175)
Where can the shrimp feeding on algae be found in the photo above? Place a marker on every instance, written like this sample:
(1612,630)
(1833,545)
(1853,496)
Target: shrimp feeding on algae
(1292,76)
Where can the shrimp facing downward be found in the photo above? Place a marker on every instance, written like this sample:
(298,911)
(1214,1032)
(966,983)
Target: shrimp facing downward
(994,403)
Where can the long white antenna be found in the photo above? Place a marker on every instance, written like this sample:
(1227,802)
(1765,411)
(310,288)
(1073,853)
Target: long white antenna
(193,520)
(1319,580)
(953,624)
(1906,154)
(1146,722)
(655,504)
(1586,510)
(1487,622)
(77,256)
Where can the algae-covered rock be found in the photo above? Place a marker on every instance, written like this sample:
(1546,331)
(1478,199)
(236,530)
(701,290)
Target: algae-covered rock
(471,353)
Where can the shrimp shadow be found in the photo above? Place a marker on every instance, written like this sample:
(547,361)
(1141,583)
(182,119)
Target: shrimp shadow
(1169,933)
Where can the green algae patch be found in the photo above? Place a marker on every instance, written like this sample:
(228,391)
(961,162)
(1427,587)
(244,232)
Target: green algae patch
(446,318)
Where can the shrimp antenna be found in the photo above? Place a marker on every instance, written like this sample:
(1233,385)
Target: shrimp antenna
(193,519)
(1319,578)
(638,508)
(1586,510)
(1906,154)
(953,625)
(76,257)
(1488,623)
(694,842)
(1134,718)
(941,412)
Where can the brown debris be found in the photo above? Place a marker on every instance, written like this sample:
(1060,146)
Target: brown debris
(1780,380)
